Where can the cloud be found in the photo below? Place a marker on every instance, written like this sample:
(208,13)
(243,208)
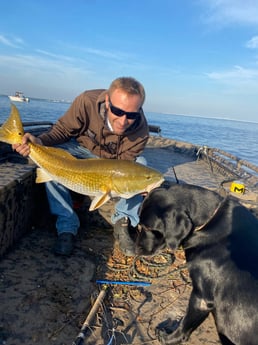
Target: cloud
(252,43)
(227,12)
(43,66)
(43,76)
(54,56)
(105,54)
(237,72)
(14,42)
(238,78)
(91,57)
(112,55)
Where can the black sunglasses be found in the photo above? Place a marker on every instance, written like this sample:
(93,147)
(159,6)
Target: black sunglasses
(119,112)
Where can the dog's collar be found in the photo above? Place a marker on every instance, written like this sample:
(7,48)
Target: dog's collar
(200,227)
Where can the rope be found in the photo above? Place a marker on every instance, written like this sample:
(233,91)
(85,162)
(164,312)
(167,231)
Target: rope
(144,269)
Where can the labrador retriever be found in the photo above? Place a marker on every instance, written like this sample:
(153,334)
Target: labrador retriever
(220,240)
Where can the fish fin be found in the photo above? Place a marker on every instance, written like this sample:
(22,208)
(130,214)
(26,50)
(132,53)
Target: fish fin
(42,176)
(11,132)
(99,200)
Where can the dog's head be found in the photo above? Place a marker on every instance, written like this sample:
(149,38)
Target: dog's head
(163,223)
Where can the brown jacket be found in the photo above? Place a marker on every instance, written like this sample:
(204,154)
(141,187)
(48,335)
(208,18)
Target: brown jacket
(85,120)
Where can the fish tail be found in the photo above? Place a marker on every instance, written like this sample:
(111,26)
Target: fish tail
(11,132)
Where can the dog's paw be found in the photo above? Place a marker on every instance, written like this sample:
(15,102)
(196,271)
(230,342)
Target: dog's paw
(169,333)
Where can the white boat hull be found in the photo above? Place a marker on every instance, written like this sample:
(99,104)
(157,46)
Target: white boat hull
(18,99)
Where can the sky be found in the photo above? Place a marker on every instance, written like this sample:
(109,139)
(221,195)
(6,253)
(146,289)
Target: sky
(194,57)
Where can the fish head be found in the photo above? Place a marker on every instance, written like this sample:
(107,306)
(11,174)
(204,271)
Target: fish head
(11,132)
(157,182)
(138,179)
(150,179)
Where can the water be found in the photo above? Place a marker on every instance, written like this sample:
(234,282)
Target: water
(237,137)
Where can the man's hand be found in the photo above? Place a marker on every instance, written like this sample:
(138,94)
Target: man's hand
(23,148)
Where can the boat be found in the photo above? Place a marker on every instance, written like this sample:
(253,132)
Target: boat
(19,97)
(46,299)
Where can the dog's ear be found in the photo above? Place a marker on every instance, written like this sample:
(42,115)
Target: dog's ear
(178,226)
(152,220)
(160,212)
(153,208)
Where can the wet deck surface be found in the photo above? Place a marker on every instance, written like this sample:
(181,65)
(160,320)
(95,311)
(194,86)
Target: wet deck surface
(44,298)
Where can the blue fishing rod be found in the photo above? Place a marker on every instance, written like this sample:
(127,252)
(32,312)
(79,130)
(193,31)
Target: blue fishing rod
(115,282)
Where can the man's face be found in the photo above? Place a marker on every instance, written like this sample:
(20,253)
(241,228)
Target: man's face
(120,100)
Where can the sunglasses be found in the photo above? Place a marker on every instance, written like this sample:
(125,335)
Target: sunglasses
(119,112)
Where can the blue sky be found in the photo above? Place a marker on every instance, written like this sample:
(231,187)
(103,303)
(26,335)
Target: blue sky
(194,57)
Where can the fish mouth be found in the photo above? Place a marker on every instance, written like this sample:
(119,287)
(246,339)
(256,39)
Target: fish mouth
(154,185)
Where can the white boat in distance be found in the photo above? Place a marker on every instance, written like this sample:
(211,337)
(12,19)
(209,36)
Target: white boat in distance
(19,97)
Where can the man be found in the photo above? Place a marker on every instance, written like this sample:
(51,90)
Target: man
(103,123)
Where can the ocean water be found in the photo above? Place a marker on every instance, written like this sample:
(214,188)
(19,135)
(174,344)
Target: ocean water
(237,137)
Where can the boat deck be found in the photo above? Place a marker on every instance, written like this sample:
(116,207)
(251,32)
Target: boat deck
(44,298)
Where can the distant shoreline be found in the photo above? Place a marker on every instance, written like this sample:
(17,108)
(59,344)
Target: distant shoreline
(202,117)
(150,112)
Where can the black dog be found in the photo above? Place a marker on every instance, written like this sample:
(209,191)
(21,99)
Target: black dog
(220,239)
